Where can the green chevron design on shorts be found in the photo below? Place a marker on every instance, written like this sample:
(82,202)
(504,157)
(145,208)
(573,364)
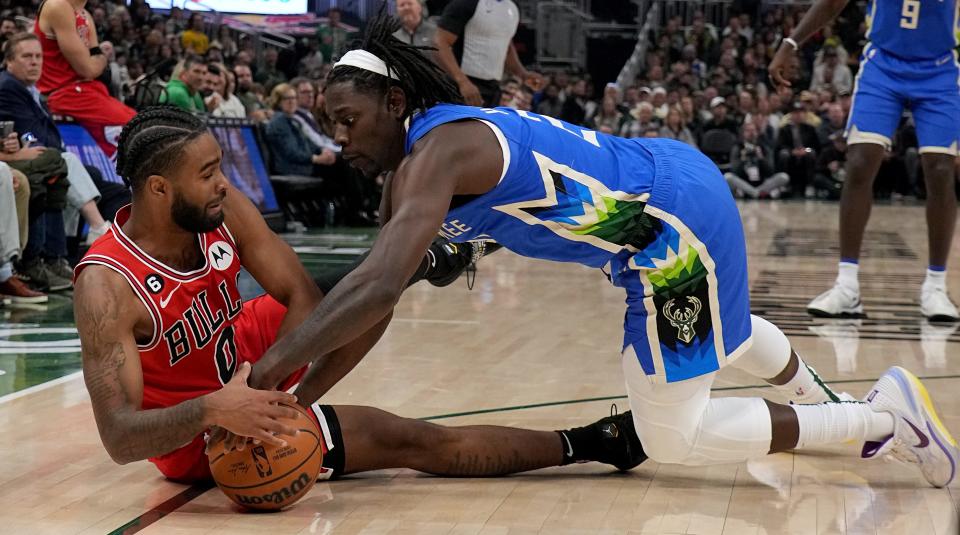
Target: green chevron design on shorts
(618,222)
(681,277)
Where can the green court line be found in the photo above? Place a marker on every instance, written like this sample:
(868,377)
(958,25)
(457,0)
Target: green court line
(192,492)
(610,398)
(163,509)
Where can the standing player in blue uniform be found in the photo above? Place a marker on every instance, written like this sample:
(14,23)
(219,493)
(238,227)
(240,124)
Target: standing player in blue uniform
(655,215)
(909,63)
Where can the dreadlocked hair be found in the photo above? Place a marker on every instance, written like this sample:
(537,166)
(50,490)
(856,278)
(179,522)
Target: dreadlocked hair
(152,142)
(422,81)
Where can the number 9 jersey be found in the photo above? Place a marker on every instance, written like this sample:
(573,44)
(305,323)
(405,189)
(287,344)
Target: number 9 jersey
(910,62)
(913,29)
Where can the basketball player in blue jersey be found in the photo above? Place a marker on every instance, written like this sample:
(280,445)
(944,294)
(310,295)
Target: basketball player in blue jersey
(655,215)
(909,62)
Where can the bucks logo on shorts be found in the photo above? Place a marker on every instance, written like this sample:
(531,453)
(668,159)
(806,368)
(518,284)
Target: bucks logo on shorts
(683,318)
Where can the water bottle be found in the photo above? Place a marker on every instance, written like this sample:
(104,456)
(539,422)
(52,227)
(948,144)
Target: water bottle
(329,214)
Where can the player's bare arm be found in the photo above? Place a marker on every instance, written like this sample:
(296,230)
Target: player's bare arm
(108,320)
(819,14)
(270,260)
(459,158)
(57,18)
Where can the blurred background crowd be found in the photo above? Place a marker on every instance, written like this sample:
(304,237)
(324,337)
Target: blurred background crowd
(699,77)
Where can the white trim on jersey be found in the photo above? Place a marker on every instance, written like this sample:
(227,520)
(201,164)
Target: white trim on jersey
(716,315)
(226,230)
(138,290)
(504,146)
(950,151)
(855,136)
(151,262)
(157,265)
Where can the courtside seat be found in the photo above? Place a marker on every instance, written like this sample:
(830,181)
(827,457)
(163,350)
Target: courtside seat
(299,196)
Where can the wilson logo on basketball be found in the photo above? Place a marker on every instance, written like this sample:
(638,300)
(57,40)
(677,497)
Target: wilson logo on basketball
(279,496)
(220,255)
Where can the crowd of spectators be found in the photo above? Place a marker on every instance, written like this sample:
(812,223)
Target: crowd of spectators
(702,84)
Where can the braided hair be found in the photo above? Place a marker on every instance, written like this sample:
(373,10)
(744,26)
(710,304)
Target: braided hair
(152,142)
(422,81)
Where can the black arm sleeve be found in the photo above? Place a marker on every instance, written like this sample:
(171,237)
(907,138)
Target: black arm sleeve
(457,14)
(441,265)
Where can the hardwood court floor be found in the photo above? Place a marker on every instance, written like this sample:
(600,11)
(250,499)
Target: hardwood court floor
(530,346)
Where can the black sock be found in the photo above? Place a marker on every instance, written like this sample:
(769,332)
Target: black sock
(582,444)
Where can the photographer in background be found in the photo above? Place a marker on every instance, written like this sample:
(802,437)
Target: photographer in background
(752,173)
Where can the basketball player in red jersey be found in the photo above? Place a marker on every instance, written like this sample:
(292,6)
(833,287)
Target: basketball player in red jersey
(167,343)
(72,61)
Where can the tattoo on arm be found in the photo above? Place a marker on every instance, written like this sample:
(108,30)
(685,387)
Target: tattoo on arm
(128,433)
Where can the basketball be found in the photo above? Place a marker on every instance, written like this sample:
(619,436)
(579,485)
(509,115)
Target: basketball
(269,477)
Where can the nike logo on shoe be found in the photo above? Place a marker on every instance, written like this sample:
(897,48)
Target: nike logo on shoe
(924,441)
(569,446)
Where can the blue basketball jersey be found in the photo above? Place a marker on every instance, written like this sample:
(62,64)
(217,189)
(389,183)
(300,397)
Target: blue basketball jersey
(913,29)
(566,193)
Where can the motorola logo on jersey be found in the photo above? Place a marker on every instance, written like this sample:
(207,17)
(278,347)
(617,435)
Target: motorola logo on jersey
(220,255)
(154,283)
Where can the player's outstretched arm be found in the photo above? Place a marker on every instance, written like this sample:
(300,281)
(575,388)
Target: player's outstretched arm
(819,14)
(422,188)
(107,313)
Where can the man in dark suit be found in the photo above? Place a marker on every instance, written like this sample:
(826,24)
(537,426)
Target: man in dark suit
(20,102)
(797,148)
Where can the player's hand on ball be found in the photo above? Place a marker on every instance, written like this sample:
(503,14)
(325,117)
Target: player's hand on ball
(247,412)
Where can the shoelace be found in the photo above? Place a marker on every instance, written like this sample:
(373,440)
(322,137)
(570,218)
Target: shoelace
(479,249)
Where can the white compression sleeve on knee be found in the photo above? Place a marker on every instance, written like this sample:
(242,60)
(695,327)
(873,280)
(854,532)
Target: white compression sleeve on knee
(768,357)
(733,430)
(769,353)
(832,423)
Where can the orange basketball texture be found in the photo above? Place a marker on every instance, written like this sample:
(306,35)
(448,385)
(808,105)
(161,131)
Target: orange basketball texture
(270,477)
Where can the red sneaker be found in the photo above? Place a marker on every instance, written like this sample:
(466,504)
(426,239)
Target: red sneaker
(20,293)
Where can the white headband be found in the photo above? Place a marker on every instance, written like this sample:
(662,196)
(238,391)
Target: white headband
(362,59)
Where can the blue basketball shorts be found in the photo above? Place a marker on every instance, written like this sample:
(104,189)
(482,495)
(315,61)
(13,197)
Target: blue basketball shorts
(688,302)
(886,85)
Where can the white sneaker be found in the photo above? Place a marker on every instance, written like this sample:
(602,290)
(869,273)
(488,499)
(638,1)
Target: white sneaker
(93,234)
(935,304)
(919,436)
(837,302)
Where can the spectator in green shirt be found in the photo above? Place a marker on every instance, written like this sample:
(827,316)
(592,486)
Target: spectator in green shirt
(332,36)
(183,91)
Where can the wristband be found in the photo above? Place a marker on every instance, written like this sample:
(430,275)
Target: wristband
(791,42)
(95,51)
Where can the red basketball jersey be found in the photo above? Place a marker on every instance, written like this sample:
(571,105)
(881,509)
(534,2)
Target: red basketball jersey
(57,71)
(193,348)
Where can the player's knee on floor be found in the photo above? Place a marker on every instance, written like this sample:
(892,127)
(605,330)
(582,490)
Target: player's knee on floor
(730,430)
